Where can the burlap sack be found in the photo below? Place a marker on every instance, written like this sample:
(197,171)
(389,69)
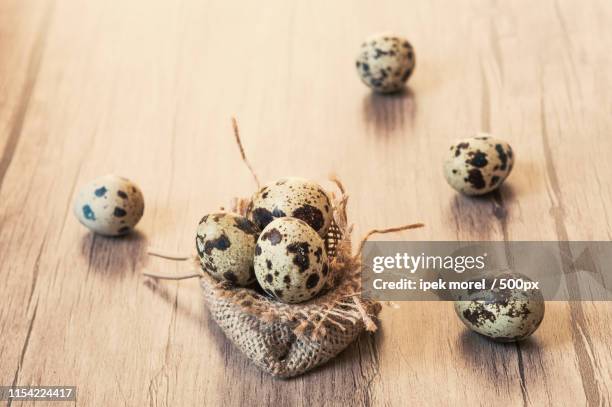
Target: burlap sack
(286,340)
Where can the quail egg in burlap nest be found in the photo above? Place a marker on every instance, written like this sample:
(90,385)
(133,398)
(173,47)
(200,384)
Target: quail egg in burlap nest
(293,197)
(290,260)
(226,244)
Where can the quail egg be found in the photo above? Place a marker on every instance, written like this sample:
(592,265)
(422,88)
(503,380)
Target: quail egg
(290,260)
(504,315)
(226,243)
(294,197)
(385,62)
(478,165)
(109,205)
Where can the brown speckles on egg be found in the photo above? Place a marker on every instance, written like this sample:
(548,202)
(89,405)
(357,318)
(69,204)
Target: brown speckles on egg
(518,311)
(478,316)
(300,251)
(311,215)
(261,217)
(312,281)
(220,243)
(273,236)
(477,159)
(503,157)
(475,178)
(460,147)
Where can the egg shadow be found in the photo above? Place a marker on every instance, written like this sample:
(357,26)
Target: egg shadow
(471,342)
(114,256)
(479,215)
(480,352)
(387,113)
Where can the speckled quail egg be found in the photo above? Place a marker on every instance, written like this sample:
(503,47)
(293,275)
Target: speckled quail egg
(504,315)
(290,260)
(385,62)
(110,205)
(478,165)
(226,244)
(293,197)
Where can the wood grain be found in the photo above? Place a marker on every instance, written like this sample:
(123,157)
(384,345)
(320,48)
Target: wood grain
(146,89)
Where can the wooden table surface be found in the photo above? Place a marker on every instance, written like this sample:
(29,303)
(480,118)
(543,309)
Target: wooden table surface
(146,89)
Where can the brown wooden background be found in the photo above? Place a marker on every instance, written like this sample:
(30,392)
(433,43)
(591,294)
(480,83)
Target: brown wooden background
(146,88)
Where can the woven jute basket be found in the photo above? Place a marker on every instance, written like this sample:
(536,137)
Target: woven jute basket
(287,340)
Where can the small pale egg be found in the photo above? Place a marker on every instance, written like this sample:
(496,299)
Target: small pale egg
(385,62)
(478,165)
(506,315)
(293,197)
(110,205)
(226,244)
(290,260)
